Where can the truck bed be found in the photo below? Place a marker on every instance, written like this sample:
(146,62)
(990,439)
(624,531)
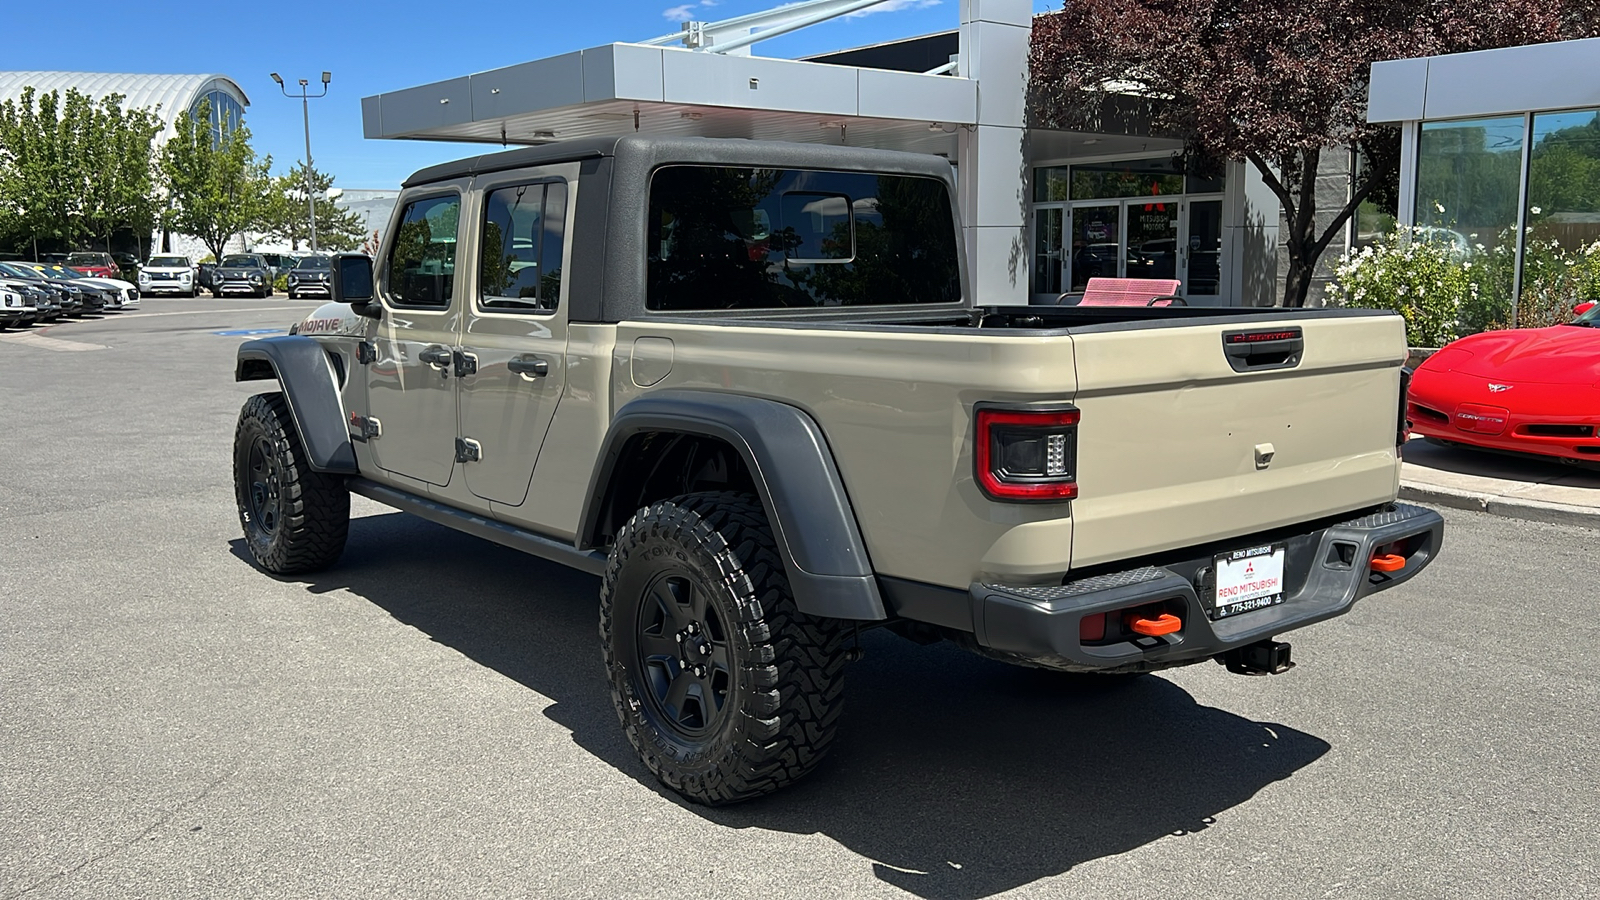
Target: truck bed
(1168,448)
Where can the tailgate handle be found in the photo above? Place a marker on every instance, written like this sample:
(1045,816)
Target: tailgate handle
(1256,351)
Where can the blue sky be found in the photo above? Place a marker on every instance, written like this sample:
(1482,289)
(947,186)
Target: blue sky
(383,46)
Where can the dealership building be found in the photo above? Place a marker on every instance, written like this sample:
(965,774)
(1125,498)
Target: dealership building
(1499,148)
(1043,210)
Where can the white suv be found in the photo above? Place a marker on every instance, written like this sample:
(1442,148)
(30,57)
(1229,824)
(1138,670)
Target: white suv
(168,275)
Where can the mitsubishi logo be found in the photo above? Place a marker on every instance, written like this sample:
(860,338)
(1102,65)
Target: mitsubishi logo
(1498,388)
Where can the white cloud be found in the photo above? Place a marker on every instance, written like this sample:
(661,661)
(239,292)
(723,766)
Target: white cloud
(894,6)
(678,13)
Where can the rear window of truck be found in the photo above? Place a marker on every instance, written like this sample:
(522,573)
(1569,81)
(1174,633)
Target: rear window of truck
(740,238)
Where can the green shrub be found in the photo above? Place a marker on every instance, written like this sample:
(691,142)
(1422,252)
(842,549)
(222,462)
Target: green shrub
(281,283)
(1424,280)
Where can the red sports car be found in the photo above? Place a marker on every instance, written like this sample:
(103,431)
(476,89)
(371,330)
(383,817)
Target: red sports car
(1534,390)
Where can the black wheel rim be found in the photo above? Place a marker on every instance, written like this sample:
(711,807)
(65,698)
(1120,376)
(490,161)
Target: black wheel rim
(263,496)
(684,658)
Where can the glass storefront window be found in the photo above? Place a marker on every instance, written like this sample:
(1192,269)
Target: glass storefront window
(1468,180)
(1049,184)
(1114,180)
(1563,217)
(1128,178)
(1370,221)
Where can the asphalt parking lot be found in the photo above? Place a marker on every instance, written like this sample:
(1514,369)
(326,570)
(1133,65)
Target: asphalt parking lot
(429,717)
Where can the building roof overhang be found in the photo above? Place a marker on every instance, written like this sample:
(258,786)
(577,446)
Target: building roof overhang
(1507,80)
(619,89)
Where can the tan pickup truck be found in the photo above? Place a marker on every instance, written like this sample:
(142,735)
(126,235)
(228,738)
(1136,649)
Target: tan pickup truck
(747,384)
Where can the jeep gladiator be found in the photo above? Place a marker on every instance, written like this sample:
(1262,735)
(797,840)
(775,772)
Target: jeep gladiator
(747,385)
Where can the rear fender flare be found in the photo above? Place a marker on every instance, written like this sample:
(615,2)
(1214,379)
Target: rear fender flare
(301,366)
(795,476)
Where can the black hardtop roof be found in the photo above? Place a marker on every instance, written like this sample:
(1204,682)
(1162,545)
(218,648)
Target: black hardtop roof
(710,151)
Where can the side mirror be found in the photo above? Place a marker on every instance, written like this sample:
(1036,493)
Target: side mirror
(353,284)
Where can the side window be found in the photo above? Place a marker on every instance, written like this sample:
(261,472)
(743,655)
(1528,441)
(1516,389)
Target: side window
(422,261)
(523,238)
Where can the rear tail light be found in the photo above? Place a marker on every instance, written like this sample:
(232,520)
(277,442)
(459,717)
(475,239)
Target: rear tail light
(1028,453)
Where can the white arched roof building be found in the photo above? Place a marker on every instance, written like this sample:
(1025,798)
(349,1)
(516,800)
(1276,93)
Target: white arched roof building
(170,94)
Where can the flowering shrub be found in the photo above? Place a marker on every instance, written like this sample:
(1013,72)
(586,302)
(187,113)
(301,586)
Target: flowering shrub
(1446,286)
(1555,280)
(1417,274)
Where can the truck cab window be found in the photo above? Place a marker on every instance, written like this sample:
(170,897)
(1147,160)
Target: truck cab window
(523,235)
(739,238)
(422,260)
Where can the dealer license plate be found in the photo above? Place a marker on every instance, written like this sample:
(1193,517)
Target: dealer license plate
(1248,579)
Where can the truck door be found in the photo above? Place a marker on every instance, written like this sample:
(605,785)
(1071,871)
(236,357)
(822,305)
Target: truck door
(411,387)
(514,339)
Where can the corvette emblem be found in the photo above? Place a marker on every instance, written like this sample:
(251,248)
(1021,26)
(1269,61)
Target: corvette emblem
(1499,388)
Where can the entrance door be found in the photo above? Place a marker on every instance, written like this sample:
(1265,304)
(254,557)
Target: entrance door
(1151,248)
(1049,262)
(1203,252)
(1096,243)
(410,388)
(515,340)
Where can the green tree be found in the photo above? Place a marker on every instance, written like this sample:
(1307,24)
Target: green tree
(286,217)
(124,162)
(42,174)
(72,168)
(215,185)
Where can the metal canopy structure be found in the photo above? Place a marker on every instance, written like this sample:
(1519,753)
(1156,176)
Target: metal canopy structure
(626,88)
(709,86)
(703,82)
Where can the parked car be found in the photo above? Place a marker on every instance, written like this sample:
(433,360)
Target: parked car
(309,278)
(54,259)
(63,298)
(759,470)
(113,292)
(16,303)
(202,275)
(168,275)
(95,264)
(1523,390)
(242,273)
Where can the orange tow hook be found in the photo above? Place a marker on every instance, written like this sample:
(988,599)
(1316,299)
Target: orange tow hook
(1166,623)
(1389,562)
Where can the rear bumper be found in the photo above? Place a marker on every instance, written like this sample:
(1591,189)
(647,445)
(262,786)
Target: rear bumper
(1326,572)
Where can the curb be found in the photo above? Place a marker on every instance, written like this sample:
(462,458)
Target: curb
(1527,510)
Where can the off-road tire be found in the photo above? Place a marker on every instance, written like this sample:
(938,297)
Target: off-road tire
(302,520)
(785,678)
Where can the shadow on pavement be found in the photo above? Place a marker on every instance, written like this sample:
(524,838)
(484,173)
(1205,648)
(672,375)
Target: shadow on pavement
(956,776)
(1503,466)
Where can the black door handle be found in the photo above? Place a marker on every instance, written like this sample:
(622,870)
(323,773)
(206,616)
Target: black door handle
(436,356)
(531,366)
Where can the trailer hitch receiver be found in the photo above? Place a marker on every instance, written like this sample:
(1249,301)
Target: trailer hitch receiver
(1268,657)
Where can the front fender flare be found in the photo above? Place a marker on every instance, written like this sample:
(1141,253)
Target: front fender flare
(301,366)
(795,476)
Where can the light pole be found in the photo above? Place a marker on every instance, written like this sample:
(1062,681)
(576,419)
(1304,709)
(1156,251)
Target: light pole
(305,111)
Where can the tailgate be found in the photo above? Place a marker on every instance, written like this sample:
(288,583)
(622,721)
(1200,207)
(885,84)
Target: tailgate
(1172,431)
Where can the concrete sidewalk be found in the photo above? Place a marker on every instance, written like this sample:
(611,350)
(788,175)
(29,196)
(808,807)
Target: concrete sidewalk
(1500,485)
